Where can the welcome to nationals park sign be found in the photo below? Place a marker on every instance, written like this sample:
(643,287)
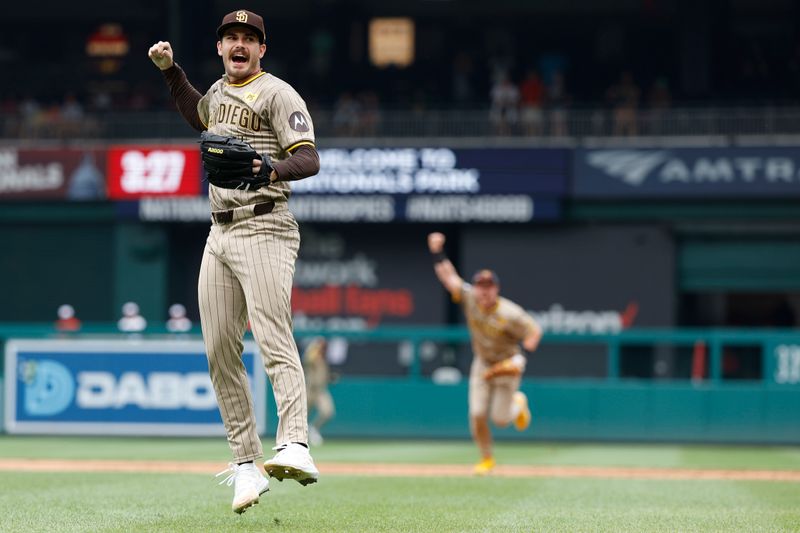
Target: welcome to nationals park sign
(412,185)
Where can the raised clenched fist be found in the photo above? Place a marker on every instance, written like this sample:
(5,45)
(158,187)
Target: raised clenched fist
(161,54)
(436,242)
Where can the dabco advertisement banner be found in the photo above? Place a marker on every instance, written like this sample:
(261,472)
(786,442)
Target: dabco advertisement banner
(138,171)
(687,172)
(113,387)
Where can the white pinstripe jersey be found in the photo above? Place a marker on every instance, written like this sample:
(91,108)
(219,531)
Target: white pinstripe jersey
(266,112)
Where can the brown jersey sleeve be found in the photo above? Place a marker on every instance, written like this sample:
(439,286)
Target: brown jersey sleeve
(303,162)
(184,95)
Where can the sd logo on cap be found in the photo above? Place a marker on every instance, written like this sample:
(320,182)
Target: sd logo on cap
(243,17)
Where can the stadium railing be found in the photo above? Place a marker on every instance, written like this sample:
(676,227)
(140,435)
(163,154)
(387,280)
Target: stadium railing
(779,349)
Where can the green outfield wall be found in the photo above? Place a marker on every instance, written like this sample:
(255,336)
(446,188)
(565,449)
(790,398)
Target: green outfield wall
(574,410)
(707,408)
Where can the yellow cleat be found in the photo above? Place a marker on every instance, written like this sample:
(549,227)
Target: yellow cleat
(523,419)
(484,467)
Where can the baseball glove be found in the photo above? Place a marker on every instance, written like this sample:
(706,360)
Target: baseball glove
(229,163)
(506,367)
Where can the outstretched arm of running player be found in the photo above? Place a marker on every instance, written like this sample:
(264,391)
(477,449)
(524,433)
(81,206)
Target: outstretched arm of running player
(531,340)
(444,269)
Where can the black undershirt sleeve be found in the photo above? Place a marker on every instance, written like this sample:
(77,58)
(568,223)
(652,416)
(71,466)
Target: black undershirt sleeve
(184,95)
(303,162)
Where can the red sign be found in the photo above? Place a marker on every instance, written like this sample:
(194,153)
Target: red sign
(137,171)
(371,304)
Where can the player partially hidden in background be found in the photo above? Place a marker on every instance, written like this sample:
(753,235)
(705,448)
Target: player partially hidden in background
(318,377)
(248,263)
(497,326)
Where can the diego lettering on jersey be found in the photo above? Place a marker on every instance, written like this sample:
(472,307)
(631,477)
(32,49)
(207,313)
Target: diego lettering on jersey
(237,115)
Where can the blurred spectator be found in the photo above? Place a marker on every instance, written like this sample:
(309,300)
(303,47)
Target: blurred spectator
(67,321)
(101,101)
(29,114)
(557,101)
(71,108)
(532,96)
(347,115)
(370,114)
(131,320)
(29,107)
(70,115)
(504,110)
(623,97)
(178,322)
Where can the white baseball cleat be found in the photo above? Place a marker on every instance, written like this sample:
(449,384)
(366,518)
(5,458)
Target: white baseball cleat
(248,484)
(292,462)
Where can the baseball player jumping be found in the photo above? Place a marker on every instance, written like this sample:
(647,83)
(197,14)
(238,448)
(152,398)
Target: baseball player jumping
(248,263)
(497,326)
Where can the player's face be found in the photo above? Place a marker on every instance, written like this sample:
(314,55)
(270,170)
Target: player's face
(241,53)
(486,294)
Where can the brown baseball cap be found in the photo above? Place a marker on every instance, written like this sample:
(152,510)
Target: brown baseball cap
(243,17)
(485,277)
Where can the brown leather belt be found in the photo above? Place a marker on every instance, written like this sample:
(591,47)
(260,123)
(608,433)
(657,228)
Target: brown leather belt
(226,217)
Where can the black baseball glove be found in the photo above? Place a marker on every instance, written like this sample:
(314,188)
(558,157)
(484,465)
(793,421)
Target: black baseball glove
(229,163)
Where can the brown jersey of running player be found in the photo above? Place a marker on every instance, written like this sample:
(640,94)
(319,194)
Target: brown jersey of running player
(498,328)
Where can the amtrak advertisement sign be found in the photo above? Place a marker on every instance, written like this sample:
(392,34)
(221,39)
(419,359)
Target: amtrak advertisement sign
(108,387)
(687,172)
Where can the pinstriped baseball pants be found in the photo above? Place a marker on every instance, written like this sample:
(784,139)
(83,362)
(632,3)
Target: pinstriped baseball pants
(247,271)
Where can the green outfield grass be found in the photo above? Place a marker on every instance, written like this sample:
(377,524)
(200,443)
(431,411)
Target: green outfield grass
(63,502)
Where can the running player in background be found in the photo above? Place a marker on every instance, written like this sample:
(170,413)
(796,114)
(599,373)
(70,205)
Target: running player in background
(497,326)
(248,263)
(318,377)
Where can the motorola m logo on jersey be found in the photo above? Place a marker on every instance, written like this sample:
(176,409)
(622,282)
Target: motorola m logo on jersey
(298,122)
(636,167)
(51,388)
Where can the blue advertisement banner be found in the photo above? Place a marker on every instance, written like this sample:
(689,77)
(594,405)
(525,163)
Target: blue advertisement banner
(386,185)
(380,208)
(409,171)
(725,172)
(109,387)
(445,208)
